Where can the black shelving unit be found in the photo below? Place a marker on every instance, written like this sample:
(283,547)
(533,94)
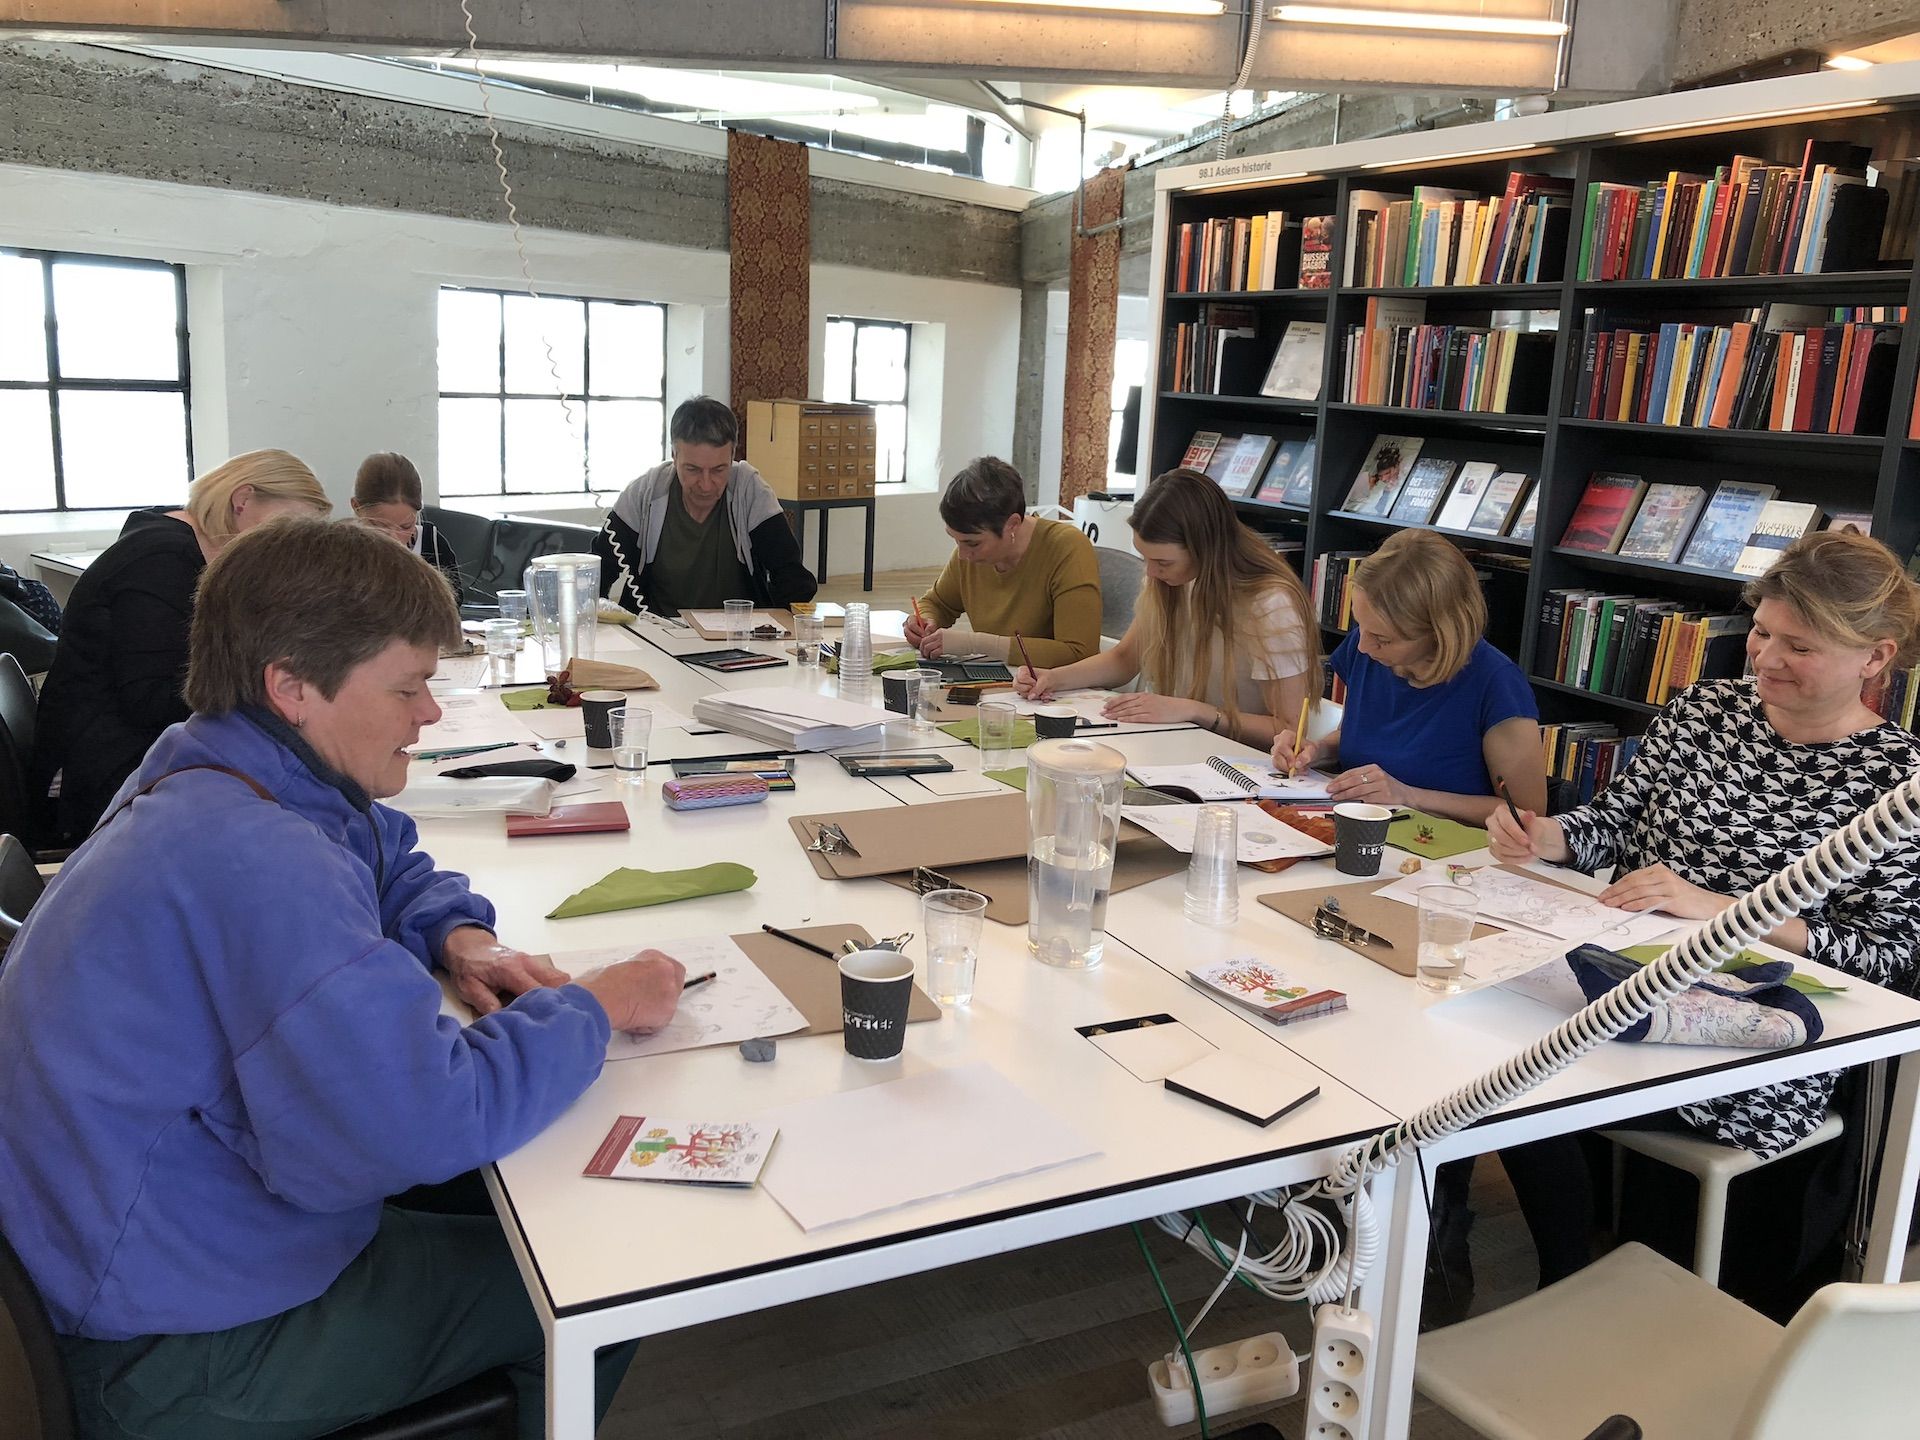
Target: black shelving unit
(1875,473)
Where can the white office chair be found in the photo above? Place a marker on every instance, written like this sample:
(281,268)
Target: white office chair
(1324,719)
(1635,1334)
(1713,1166)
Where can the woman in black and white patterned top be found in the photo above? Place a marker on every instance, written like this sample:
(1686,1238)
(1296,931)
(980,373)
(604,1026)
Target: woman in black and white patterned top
(1736,778)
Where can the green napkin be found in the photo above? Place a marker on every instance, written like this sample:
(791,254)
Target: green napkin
(1434,838)
(534,697)
(632,889)
(1016,778)
(892,660)
(1805,984)
(969,731)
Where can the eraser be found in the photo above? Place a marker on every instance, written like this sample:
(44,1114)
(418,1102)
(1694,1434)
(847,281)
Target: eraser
(757,1051)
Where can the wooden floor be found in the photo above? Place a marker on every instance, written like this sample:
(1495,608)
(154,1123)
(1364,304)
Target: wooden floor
(1044,1344)
(892,589)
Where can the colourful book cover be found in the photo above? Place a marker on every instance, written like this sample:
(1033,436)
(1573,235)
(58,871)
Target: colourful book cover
(1604,512)
(1779,525)
(685,1152)
(1420,496)
(1280,473)
(1266,991)
(1316,249)
(1382,473)
(1497,507)
(1529,515)
(1726,523)
(1469,489)
(1665,519)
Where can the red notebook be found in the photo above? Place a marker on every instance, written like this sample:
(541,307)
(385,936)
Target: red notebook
(570,820)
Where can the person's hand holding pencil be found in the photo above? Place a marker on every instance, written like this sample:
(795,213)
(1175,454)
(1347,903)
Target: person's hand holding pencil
(928,639)
(1293,753)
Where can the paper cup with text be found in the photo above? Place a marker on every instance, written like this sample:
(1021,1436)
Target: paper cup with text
(596,711)
(876,987)
(1359,835)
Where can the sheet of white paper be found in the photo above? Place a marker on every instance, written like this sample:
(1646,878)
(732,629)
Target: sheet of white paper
(665,717)
(1510,898)
(1550,985)
(791,703)
(926,1136)
(1261,836)
(717,620)
(961,782)
(741,1003)
(432,796)
(567,724)
(473,717)
(1153,1052)
(1507,954)
(462,672)
(1209,784)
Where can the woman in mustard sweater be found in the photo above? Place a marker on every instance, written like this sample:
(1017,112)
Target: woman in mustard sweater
(1010,574)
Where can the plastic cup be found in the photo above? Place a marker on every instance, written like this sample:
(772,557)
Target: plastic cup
(807,633)
(631,732)
(952,921)
(513,606)
(1359,836)
(1447,914)
(876,987)
(503,638)
(739,620)
(1213,871)
(596,708)
(923,697)
(997,720)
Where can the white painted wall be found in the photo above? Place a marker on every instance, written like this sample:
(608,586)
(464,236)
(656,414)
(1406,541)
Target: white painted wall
(313,329)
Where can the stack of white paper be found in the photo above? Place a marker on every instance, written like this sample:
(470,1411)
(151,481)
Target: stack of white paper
(437,796)
(792,718)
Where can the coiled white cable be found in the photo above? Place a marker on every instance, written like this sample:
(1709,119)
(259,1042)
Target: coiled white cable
(1892,820)
(1240,80)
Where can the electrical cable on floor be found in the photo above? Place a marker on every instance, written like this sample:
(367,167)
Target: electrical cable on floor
(519,241)
(1193,1371)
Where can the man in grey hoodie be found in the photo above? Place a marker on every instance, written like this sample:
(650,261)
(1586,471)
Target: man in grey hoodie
(701,529)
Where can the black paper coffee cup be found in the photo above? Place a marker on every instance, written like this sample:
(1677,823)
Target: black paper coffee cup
(1055,722)
(1359,835)
(596,708)
(876,987)
(893,690)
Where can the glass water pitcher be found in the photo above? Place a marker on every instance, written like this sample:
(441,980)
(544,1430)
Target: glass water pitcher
(563,595)
(1073,819)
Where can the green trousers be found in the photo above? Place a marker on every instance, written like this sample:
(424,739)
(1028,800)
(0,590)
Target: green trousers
(434,1300)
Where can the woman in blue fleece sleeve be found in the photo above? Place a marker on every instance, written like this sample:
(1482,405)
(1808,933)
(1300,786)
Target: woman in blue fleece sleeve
(222,1047)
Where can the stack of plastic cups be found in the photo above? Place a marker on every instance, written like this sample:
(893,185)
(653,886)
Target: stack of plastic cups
(856,655)
(1213,881)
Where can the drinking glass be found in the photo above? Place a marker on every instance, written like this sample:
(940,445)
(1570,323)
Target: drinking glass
(923,697)
(739,620)
(997,720)
(503,648)
(632,731)
(951,921)
(513,606)
(1447,914)
(807,633)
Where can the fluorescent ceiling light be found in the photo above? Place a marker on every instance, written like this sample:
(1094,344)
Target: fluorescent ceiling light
(1418,20)
(1149,7)
(1720,121)
(1848,62)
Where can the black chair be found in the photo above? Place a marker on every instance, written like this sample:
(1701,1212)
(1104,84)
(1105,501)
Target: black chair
(19,812)
(33,1382)
(20,885)
(471,537)
(515,542)
(25,638)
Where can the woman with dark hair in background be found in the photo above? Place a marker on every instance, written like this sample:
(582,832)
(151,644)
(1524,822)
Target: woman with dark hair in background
(388,496)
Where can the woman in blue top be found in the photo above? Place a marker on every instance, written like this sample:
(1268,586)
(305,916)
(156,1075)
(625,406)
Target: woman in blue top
(1433,712)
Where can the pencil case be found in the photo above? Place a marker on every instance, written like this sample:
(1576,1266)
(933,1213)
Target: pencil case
(703,792)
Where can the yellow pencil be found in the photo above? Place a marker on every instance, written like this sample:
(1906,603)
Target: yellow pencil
(1300,730)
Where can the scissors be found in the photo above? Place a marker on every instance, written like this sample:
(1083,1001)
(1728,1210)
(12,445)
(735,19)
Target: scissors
(1330,922)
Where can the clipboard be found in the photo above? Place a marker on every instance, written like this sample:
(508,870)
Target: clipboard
(1389,919)
(811,982)
(939,835)
(782,618)
(1139,859)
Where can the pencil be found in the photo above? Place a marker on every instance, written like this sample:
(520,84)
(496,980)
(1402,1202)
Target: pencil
(699,980)
(1025,659)
(1300,730)
(914,600)
(1500,789)
(803,944)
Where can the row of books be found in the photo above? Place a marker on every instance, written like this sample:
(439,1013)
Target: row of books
(1254,466)
(1588,755)
(1502,580)
(1437,236)
(1895,695)
(1747,218)
(1448,367)
(1633,647)
(1222,353)
(1269,251)
(1764,373)
(1740,531)
(1474,496)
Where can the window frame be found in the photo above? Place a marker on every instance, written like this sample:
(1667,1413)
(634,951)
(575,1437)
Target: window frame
(866,322)
(55,383)
(584,398)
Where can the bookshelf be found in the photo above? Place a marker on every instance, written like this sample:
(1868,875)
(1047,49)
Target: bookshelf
(1598,164)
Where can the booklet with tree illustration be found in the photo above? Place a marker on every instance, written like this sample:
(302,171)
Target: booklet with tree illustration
(686,1152)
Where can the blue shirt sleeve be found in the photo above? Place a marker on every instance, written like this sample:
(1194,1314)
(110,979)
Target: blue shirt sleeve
(1507,695)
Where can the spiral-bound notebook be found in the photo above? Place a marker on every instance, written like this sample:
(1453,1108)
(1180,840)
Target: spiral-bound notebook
(1222,779)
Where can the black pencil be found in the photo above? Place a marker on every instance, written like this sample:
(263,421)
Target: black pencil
(803,944)
(1500,789)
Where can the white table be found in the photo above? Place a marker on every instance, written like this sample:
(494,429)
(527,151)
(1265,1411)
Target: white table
(1395,1050)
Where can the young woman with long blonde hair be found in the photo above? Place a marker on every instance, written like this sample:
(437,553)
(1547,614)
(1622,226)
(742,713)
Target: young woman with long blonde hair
(1223,633)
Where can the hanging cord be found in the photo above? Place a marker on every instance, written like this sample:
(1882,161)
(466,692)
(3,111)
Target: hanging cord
(1239,80)
(519,241)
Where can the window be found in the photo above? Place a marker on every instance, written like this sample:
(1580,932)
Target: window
(549,395)
(1129,370)
(867,365)
(93,382)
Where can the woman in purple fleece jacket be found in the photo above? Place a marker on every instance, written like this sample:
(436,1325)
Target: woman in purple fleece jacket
(221,1046)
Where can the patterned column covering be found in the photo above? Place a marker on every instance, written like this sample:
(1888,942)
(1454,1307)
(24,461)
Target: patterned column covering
(769,235)
(1093,298)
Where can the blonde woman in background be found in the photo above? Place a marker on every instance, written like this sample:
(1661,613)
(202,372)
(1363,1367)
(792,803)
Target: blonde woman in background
(122,658)
(1223,633)
(1433,712)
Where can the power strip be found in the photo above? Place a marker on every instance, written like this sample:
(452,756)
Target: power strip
(1256,1371)
(1337,1378)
